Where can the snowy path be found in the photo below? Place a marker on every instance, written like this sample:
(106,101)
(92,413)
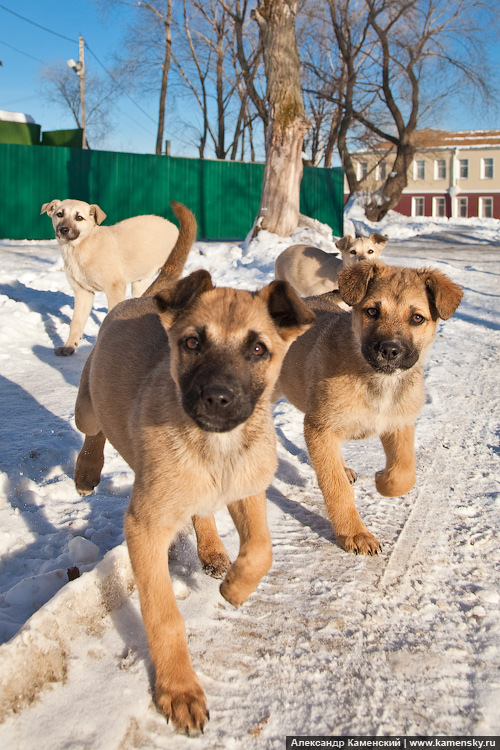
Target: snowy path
(404,643)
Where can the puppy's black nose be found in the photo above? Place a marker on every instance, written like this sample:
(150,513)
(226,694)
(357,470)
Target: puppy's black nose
(389,350)
(63,230)
(217,397)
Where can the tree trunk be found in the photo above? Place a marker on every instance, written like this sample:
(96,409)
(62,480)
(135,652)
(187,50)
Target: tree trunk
(164,79)
(280,199)
(389,195)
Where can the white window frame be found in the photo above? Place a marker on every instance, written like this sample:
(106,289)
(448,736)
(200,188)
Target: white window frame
(381,172)
(417,200)
(438,200)
(463,164)
(486,168)
(462,200)
(440,165)
(417,165)
(485,200)
(362,170)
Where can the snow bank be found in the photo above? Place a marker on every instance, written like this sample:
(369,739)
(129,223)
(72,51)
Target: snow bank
(37,656)
(395,226)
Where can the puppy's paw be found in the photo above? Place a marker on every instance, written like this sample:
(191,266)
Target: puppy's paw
(83,492)
(64,351)
(217,565)
(187,707)
(363,543)
(351,474)
(394,485)
(232,593)
(85,480)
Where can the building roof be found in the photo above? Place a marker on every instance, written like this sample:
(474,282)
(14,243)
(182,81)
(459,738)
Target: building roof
(431,139)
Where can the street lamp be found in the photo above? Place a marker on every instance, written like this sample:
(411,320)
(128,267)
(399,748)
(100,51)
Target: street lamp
(79,68)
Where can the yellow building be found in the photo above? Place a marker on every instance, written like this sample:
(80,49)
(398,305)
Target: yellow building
(453,174)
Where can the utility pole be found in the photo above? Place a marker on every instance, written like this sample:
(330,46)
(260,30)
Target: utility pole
(79,68)
(81,74)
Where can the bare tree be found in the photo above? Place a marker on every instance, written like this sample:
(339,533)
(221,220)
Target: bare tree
(206,62)
(280,198)
(399,59)
(323,71)
(62,88)
(144,59)
(416,42)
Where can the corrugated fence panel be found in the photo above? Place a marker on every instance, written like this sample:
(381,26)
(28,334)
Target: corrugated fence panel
(322,196)
(224,196)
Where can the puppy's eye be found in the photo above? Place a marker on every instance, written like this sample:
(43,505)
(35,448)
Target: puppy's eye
(59,214)
(352,252)
(372,312)
(259,349)
(78,217)
(417,319)
(370,252)
(192,343)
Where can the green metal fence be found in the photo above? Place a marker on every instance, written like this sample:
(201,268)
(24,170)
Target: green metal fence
(224,196)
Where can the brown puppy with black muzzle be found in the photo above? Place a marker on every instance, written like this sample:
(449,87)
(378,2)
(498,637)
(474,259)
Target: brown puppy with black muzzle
(181,385)
(359,374)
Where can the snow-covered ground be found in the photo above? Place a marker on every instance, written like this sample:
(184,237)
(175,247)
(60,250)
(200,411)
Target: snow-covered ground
(404,643)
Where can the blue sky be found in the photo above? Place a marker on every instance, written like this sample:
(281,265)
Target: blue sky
(25,47)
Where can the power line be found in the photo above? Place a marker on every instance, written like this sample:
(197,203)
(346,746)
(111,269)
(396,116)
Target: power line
(21,51)
(75,41)
(120,85)
(39,26)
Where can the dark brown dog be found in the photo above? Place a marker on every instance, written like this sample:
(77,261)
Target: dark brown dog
(181,385)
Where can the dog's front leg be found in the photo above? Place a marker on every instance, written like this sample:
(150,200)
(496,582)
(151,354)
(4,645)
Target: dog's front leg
(116,293)
(255,555)
(83,305)
(399,474)
(89,464)
(211,551)
(326,457)
(178,692)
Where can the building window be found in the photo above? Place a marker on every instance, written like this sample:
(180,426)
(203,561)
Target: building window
(487,169)
(419,169)
(381,172)
(440,169)
(463,166)
(439,207)
(486,208)
(362,170)
(418,206)
(463,207)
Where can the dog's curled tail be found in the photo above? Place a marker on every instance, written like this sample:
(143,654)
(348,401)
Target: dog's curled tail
(174,265)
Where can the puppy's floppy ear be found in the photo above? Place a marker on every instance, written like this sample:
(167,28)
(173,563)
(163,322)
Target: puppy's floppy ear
(49,208)
(343,243)
(354,280)
(179,296)
(379,239)
(97,213)
(289,312)
(444,295)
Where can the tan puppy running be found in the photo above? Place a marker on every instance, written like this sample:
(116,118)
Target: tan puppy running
(181,385)
(106,259)
(311,271)
(359,374)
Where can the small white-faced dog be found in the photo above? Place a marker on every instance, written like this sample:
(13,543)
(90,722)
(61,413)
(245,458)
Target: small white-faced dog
(106,259)
(311,271)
